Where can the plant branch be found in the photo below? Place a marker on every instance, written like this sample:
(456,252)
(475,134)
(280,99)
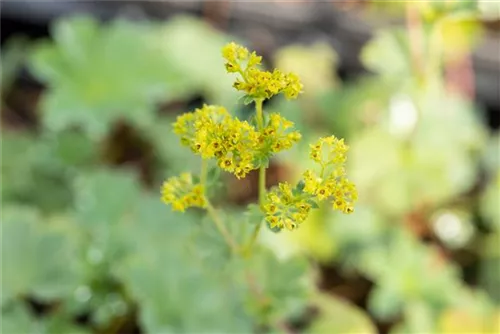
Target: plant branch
(203,172)
(262,173)
(221,227)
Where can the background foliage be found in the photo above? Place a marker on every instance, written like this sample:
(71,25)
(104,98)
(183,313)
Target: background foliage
(87,246)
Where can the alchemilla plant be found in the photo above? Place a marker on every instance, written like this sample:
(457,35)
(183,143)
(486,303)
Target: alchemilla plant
(240,146)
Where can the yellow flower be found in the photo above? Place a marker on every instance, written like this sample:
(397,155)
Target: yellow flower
(322,192)
(311,181)
(212,132)
(330,154)
(285,208)
(226,164)
(293,86)
(275,136)
(256,83)
(182,193)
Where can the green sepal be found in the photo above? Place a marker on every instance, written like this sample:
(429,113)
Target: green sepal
(247,99)
(261,161)
(299,188)
(274,229)
(313,204)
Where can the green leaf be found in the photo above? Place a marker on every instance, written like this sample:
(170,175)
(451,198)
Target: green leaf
(385,303)
(74,149)
(275,300)
(105,196)
(38,258)
(313,204)
(99,74)
(13,55)
(16,318)
(300,186)
(177,291)
(198,71)
(339,316)
(28,177)
(388,53)
(105,200)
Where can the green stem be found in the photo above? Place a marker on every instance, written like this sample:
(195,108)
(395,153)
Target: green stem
(262,170)
(262,174)
(259,114)
(213,213)
(221,227)
(203,172)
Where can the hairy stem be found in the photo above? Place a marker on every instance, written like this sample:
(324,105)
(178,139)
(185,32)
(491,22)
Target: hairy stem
(213,213)
(262,170)
(262,173)
(221,227)
(203,172)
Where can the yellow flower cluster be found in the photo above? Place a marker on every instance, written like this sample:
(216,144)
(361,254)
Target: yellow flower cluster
(212,133)
(256,83)
(286,207)
(182,193)
(330,154)
(275,137)
(335,186)
(329,150)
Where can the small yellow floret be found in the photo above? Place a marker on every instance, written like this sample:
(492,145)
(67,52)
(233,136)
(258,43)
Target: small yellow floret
(182,193)
(254,82)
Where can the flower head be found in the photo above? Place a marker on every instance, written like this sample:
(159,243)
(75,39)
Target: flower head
(331,184)
(213,133)
(286,207)
(276,136)
(254,82)
(182,193)
(329,150)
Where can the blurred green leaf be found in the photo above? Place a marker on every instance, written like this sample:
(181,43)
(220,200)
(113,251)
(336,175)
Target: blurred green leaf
(99,74)
(412,273)
(47,165)
(272,299)
(176,292)
(385,303)
(37,258)
(104,202)
(338,316)
(73,149)
(16,318)
(388,54)
(194,48)
(13,55)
